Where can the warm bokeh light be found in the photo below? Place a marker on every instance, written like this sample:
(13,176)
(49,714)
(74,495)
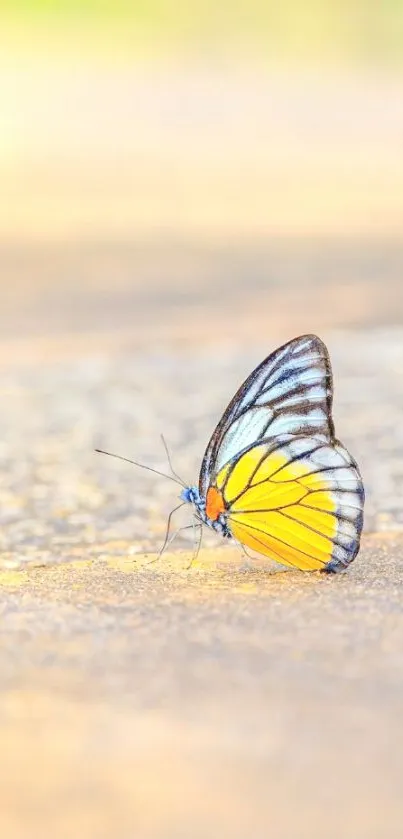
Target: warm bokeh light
(128,119)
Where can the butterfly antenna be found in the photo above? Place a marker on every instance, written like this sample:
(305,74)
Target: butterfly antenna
(164,443)
(142,466)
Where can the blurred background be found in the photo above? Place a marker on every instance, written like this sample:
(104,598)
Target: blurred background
(183,187)
(158,158)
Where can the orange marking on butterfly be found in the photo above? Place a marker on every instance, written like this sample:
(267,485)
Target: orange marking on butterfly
(214,503)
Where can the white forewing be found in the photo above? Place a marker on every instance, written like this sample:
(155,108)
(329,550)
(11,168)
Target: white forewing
(248,428)
(290,392)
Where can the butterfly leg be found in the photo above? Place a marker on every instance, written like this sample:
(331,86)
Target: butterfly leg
(169,542)
(244,553)
(166,540)
(196,552)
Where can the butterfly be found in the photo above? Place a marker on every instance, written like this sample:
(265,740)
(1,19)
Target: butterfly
(274,477)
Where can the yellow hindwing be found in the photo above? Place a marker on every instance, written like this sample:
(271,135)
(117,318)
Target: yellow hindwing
(300,504)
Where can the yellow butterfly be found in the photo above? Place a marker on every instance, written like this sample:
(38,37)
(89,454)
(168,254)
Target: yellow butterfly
(273,476)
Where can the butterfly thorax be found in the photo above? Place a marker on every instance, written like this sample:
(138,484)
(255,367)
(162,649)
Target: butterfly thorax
(210,509)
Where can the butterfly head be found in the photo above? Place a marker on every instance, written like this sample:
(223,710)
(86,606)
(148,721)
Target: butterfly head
(190,495)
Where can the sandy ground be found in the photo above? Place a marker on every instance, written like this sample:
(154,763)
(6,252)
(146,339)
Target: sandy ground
(150,701)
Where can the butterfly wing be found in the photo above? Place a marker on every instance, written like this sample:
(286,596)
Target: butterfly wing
(298,500)
(290,392)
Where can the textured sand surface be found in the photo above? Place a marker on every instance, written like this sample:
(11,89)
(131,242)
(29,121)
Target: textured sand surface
(151,701)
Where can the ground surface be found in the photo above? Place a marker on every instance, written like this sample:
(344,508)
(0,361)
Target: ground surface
(156,702)
(226,700)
